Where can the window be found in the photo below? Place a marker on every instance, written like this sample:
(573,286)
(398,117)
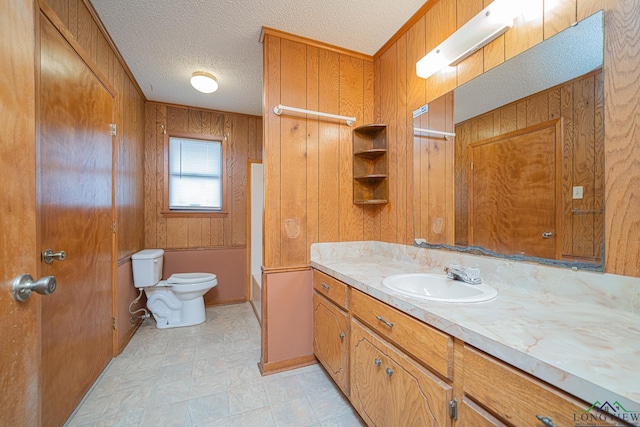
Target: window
(195,175)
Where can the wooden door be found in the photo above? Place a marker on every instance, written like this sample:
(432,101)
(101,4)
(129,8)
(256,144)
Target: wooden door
(74,209)
(19,351)
(331,340)
(514,191)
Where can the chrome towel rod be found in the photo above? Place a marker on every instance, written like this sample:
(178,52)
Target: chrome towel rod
(446,135)
(278,109)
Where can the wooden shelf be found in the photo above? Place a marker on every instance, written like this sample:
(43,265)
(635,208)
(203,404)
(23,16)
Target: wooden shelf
(372,176)
(370,164)
(370,202)
(372,153)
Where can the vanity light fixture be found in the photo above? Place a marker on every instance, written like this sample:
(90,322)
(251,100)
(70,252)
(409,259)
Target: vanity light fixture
(493,21)
(204,82)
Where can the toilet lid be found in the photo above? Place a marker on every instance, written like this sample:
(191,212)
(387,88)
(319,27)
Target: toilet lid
(190,278)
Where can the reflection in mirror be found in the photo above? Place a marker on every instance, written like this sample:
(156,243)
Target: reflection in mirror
(528,155)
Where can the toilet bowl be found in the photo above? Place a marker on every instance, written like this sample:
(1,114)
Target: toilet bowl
(177,301)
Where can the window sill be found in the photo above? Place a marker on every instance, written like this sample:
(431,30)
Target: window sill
(194,214)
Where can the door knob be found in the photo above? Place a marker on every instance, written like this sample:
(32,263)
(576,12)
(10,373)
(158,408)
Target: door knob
(23,285)
(547,234)
(48,256)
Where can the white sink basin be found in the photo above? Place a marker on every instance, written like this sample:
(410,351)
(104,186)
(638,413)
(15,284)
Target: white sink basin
(435,287)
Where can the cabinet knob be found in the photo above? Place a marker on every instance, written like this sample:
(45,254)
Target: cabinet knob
(377,362)
(324,285)
(341,335)
(389,372)
(547,421)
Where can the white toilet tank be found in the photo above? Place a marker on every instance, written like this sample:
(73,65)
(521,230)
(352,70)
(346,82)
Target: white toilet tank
(147,267)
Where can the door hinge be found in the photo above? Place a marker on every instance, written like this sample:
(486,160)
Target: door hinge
(113,129)
(453,409)
(471,165)
(114,226)
(114,323)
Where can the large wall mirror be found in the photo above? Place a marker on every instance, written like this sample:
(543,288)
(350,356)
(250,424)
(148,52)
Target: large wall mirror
(526,158)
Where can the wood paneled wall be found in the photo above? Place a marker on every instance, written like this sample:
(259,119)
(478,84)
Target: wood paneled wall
(622,130)
(243,141)
(580,105)
(78,21)
(82,23)
(308,162)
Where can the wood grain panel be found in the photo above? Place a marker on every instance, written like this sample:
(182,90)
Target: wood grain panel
(312,148)
(583,166)
(473,66)
(272,253)
(328,179)
(558,15)
(351,98)
(388,100)
(19,322)
(293,139)
(527,30)
(402,208)
(586,8)
(622,127)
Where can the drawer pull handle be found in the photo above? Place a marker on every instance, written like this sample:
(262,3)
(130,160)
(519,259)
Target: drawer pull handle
(377,362)
(324,285)
(389,372)
(380,318)
(547,421)
(341,335)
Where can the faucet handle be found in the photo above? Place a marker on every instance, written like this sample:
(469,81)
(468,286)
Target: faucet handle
(473,273)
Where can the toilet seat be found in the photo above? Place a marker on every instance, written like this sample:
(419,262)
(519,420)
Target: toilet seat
(190,278)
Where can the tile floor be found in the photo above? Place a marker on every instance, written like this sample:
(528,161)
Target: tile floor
(207,375)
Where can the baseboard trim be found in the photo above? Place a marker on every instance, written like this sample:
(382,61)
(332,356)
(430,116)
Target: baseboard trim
(269,368)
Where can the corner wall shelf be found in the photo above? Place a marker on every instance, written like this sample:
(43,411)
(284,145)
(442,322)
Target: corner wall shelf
(370,164)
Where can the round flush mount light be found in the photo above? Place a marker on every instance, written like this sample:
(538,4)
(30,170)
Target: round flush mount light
(204,82)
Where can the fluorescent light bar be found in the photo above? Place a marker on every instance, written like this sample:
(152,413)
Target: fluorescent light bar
(493,21)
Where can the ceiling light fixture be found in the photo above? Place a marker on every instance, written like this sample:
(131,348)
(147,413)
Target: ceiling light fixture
(204,82)
(493,21)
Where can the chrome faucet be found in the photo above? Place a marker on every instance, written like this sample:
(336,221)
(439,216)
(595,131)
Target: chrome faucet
(468,275)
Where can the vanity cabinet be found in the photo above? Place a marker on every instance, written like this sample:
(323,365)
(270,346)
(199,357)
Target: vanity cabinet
(399,371)
(370,164)
(390,389)
(331,328)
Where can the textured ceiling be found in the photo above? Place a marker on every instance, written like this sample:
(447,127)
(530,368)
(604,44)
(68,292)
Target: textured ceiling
(164,41)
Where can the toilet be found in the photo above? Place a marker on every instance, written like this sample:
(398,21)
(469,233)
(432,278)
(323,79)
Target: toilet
(177,301)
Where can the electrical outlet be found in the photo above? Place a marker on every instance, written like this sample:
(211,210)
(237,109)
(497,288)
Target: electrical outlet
(577,192)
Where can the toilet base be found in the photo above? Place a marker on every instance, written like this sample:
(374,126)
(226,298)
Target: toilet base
(172,313)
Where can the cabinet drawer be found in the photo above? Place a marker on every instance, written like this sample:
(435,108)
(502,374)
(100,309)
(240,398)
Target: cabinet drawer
(331,288)
(516,397)
(429,346)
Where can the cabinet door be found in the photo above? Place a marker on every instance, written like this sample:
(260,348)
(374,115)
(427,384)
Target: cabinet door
(331,340)
(390,389)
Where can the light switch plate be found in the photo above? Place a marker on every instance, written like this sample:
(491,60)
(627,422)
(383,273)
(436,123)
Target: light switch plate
(577,192)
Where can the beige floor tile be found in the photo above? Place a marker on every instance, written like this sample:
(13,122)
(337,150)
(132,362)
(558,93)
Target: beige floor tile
(294,413)
(206,375)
